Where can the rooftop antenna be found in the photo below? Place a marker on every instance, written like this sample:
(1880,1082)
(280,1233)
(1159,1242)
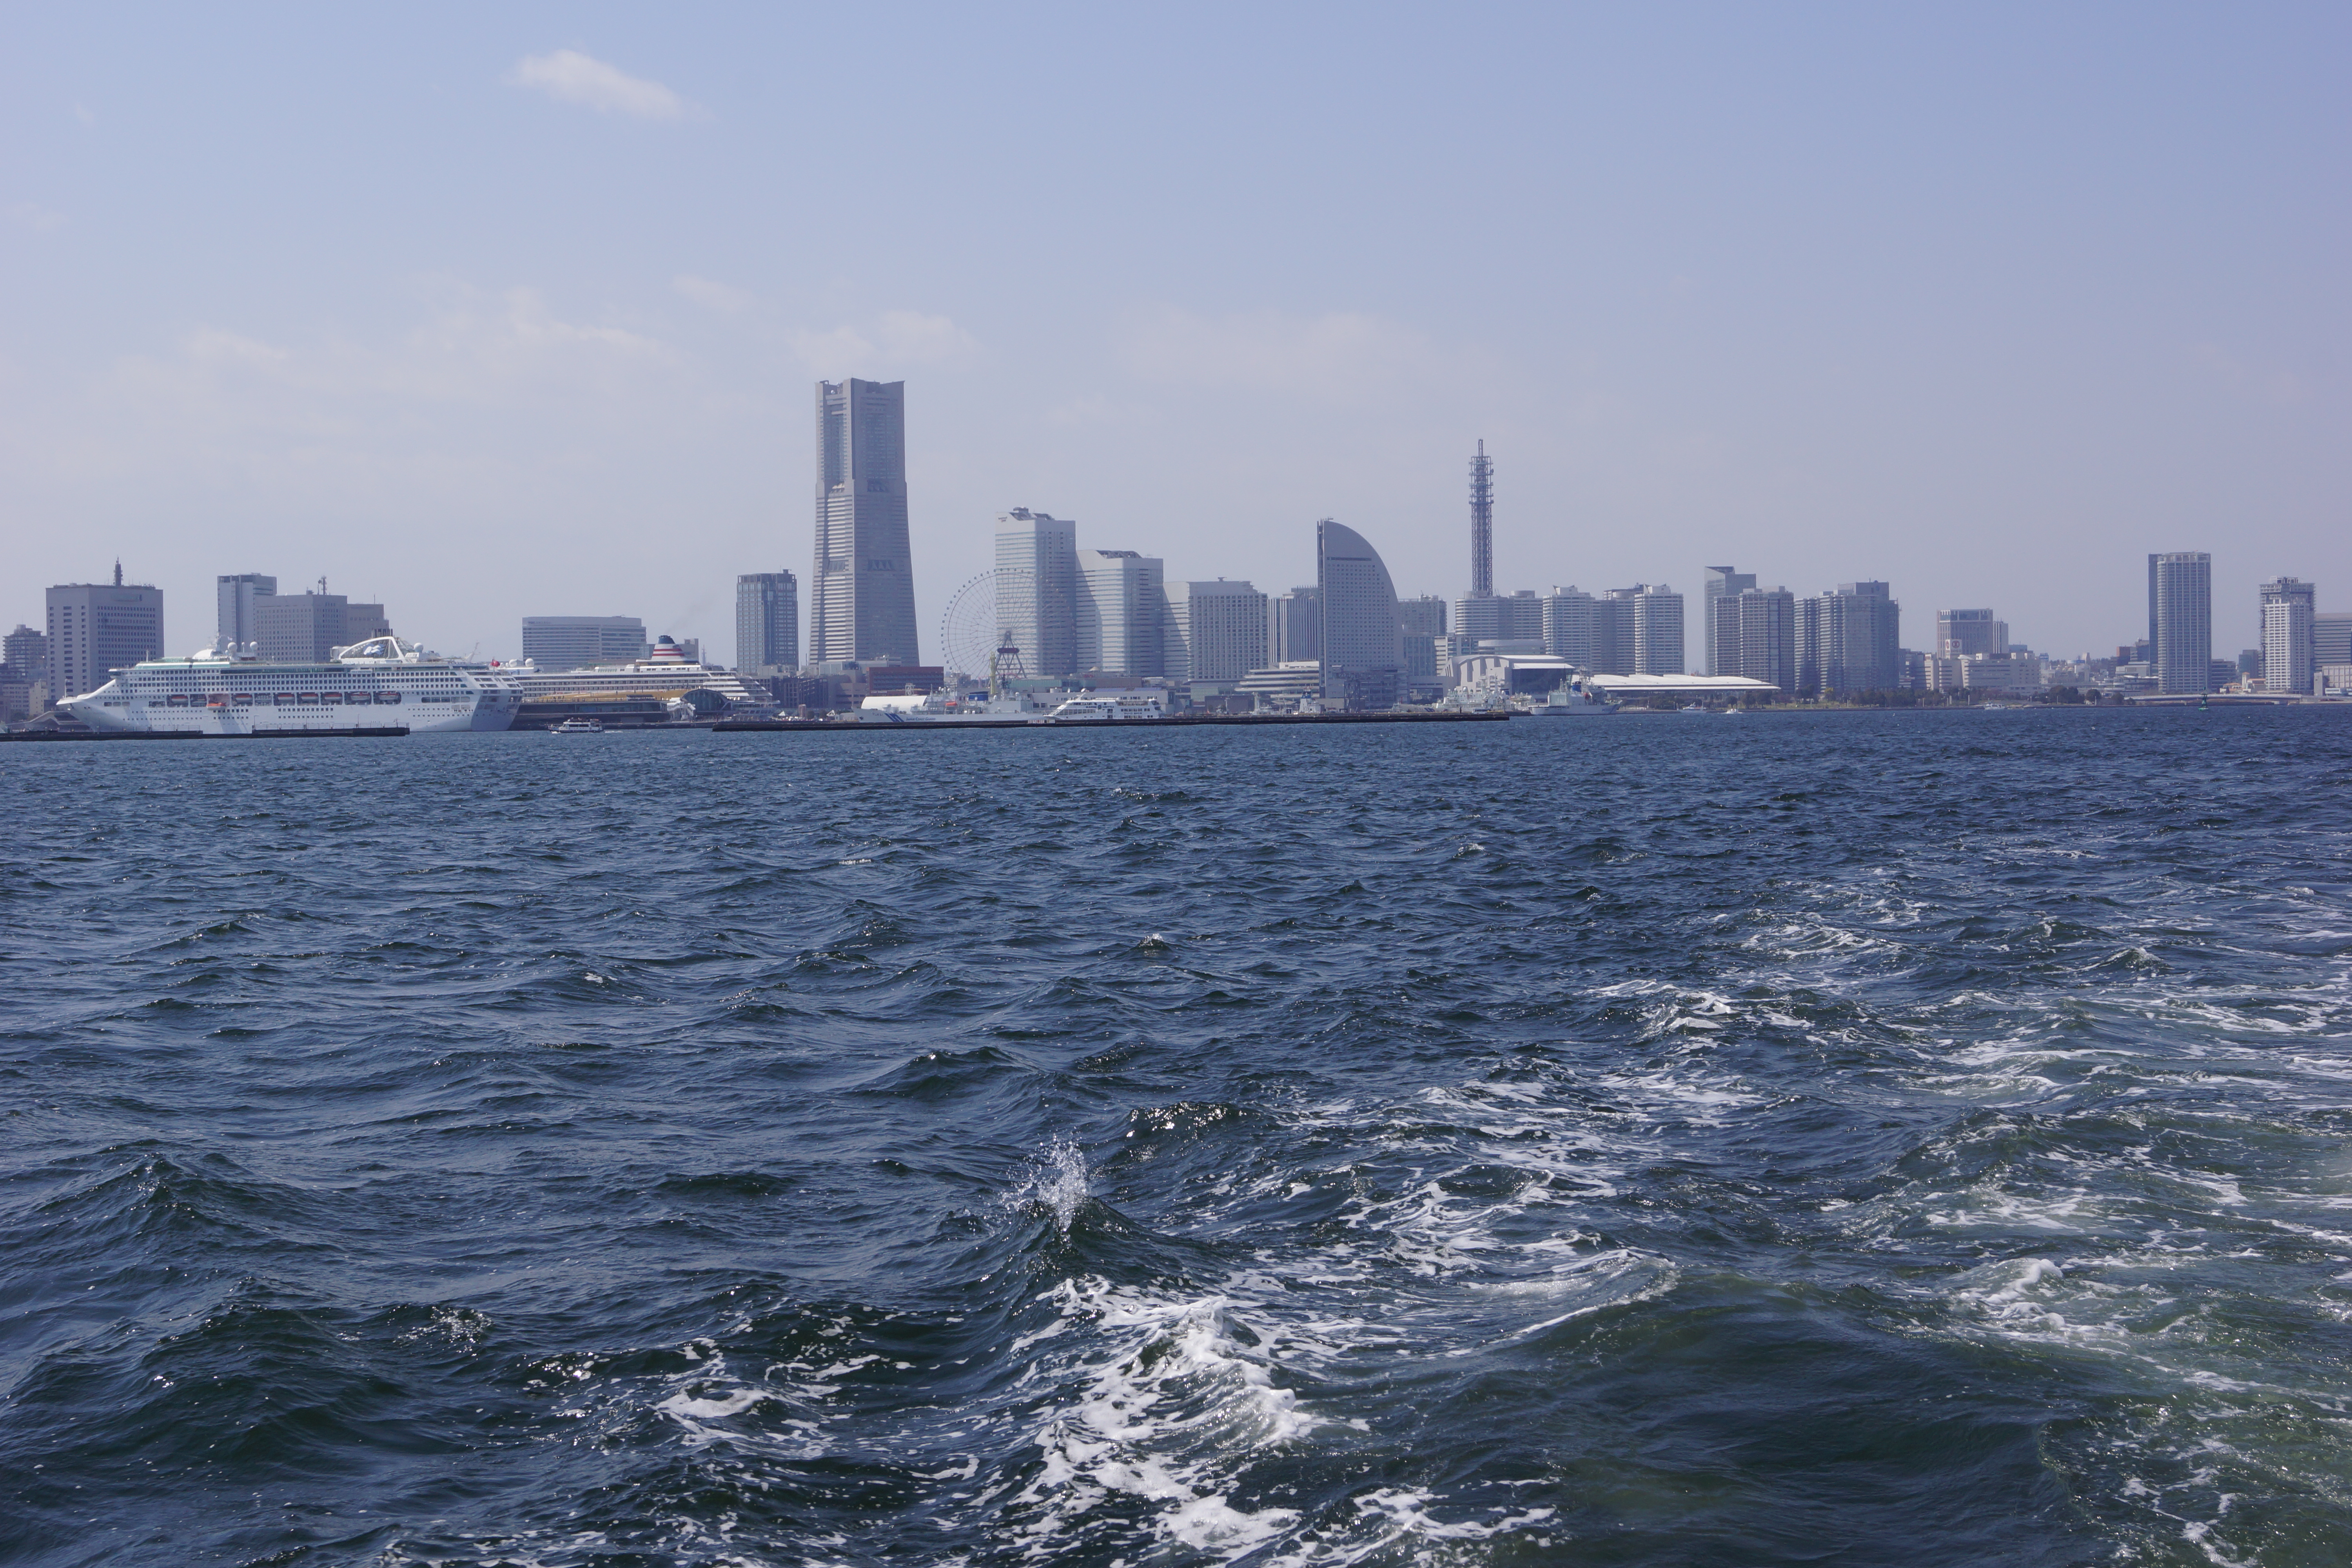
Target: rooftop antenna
(117,571)
(322,587)
(1482,525)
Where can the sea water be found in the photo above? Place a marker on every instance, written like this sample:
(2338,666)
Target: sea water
(1905,1139)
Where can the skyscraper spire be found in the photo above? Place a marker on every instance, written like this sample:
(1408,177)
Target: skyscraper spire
(1482,525)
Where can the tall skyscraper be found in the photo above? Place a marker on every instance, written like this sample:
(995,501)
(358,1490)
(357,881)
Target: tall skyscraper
(95,627)
(1722,583)
(575,642)
(1362,657)
(236,594)
(1121,613)
(862,599)
(1217,631)
(1482,525)
(1037,590)
(2182,581)
(767,622)
(2289,608)
(1294,623)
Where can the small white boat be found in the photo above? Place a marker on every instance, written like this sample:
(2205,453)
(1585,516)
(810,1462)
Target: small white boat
(577,726)
(1696,707)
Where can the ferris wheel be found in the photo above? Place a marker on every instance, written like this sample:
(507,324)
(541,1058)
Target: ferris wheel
(973,638)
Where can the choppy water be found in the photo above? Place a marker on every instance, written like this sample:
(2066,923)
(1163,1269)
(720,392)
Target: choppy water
(1831,1139)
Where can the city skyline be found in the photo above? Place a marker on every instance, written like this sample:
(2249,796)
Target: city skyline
(1767,286)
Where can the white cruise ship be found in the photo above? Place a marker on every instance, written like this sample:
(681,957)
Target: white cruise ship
(383,683)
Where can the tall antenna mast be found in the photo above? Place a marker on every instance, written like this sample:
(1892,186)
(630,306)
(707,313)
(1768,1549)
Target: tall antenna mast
(1482,525)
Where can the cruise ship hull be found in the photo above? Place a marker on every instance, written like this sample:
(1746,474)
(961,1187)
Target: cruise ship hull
(213,696)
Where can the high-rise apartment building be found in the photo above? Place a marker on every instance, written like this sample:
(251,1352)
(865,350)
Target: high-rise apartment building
(767,622)
(1959,633)
(1037,590)
(96,628)
(1658,631)
(1612,630)
(1722,583)
(1362,656)
(2289,607)
(1217,631)
(1294,624)
(237,625)
(304,629)
(1754,634)
(2180,584)
(575,642)
(1572,626)
(1849,640)
(862,596)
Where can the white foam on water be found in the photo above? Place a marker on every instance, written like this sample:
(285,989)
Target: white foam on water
(1163,1413)
(1057,1180)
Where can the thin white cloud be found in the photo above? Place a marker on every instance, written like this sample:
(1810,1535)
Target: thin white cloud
(711,296)
(896,338)
(571,77)
(39,219)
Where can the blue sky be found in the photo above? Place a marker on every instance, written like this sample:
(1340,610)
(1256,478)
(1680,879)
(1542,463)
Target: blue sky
(497,311)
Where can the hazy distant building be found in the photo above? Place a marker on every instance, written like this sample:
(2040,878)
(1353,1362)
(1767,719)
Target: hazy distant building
(2331,637)
(237,623)
(767,622)
(1721,583)
(1121,613)
(26,651)
(1422,645)
(1037,590)
(1216,631)
(304,629)
(862,596)
(1294,624)
(1962,632)
(575,642)
(1572,623)
(1515,619)
(95,627)
(1849,640)
(2181,584)
(2289,606)
(1361,653)
(23,674)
